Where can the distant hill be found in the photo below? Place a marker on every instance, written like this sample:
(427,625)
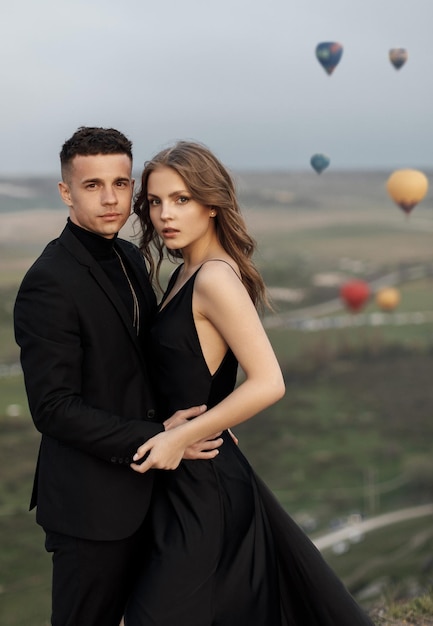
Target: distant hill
(256,189)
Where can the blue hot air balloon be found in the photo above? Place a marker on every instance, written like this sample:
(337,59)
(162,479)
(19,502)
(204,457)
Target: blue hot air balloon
(319,162)
(328,54)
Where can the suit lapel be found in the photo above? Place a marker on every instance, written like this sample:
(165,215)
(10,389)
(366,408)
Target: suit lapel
(83,256)
(138,266)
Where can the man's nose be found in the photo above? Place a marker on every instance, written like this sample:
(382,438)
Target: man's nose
(109,196)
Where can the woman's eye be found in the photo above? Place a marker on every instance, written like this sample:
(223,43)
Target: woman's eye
(183,199)
(154,201)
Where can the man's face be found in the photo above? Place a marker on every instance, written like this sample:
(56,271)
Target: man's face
(98,191)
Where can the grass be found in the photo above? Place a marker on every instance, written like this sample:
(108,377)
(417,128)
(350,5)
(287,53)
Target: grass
(19,447)
(25,568)
(12,392)
(414,610)
(25,572)
(417,611)
(340,421)
(314,348)
(370,243)
(406,549)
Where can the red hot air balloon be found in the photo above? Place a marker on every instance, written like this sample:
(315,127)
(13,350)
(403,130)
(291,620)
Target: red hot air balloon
(354,294)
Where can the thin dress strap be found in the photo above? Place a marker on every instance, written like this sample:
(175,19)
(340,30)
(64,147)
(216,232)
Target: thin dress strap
(223,261)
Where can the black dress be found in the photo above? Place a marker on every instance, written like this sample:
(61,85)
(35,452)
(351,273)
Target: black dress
(224,552)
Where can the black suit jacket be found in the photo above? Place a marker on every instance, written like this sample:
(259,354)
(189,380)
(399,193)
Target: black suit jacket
(88,391)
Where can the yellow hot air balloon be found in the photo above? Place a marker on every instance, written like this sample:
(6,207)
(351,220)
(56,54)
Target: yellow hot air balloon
(407,188)
(387,298)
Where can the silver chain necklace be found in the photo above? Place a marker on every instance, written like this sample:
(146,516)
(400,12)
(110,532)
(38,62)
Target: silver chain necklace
(135,306)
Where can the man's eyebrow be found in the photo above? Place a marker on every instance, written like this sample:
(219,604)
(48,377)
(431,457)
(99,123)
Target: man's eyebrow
(100,180)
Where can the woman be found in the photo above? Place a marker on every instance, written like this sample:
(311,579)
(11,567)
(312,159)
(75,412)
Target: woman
(224,552)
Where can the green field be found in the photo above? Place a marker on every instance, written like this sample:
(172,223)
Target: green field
(405,550)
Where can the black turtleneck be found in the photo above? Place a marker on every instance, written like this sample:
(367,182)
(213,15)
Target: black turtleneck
(103,251)
(99,247)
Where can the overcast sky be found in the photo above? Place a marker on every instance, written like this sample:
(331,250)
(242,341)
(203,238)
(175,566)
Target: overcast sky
(238,75)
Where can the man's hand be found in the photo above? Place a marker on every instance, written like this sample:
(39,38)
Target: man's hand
(203,449)
(183,415)
(233,436)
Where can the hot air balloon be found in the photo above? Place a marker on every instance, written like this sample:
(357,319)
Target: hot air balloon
(354,294)
(319,162)
(328,54)
(398,57)
(387,298)
(407,188)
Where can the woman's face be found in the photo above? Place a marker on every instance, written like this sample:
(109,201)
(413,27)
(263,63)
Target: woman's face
(179,220)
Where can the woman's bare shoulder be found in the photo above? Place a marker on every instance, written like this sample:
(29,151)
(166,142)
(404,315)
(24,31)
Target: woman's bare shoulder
(215,268)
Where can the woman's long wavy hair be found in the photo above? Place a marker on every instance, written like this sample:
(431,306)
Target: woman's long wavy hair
(210,184)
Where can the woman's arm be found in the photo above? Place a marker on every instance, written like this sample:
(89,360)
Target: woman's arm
(221,298)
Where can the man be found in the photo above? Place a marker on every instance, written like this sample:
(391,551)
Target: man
(82,316)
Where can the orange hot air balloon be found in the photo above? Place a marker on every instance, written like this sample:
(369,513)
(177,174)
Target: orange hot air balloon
(387,298)
(407,188)
(355,294)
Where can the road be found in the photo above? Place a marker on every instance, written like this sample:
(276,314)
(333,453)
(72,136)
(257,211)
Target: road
(304,318)
(373,523)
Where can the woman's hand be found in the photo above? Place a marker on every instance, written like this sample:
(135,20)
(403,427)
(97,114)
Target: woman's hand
(163,451)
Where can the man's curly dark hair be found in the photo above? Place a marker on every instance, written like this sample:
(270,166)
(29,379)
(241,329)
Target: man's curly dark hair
(88,140)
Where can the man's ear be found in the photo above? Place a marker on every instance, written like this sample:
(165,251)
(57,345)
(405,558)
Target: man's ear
(65,193)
